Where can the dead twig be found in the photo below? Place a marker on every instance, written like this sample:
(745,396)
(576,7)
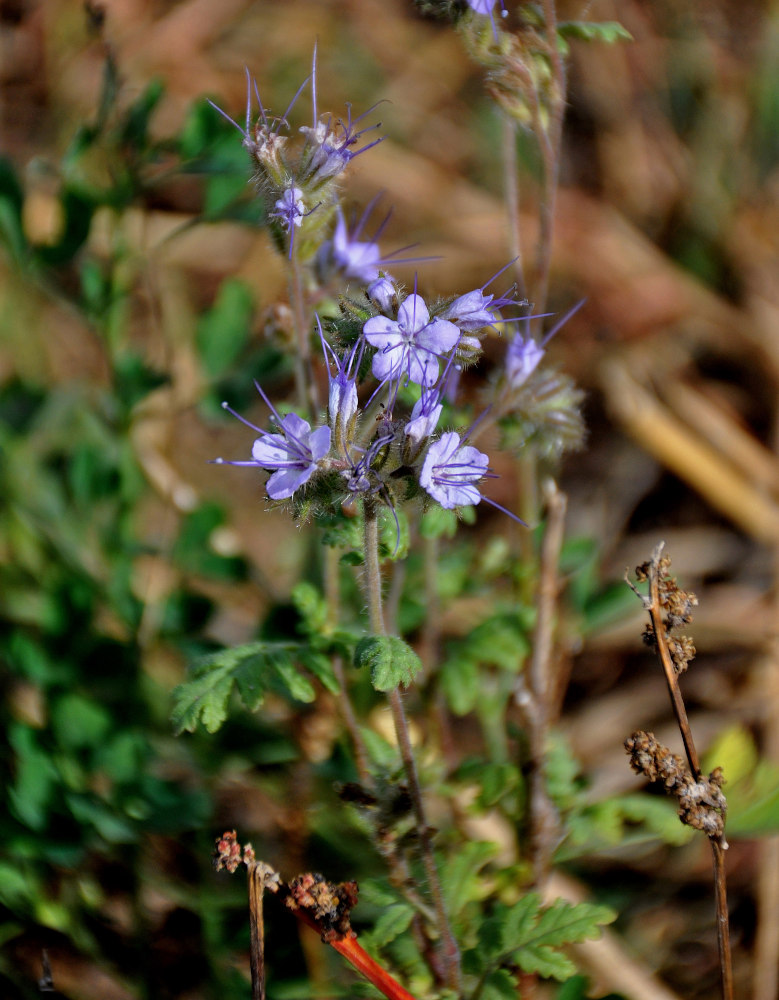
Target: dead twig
(701,802)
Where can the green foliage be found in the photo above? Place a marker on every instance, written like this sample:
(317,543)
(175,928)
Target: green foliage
(461,876)
(223,331)
(391,661)
(752,787)
(607,32)
(254,670)
(12,236)
(530,937)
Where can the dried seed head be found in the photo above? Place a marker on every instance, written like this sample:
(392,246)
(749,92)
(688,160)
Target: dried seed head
(701,802)
(327,903)
(682,650)
(227,852)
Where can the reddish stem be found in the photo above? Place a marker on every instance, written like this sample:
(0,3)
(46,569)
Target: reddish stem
(357,956)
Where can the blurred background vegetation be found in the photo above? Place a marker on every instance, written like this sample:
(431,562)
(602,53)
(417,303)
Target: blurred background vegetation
(135,294)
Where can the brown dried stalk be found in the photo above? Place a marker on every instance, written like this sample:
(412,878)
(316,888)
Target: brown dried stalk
(701,802)
(322,905)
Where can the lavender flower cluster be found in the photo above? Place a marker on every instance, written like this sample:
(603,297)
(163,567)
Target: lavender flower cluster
(377,447)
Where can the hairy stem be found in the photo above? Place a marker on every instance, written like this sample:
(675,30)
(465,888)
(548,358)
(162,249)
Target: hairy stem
(305,385)
(349,716)
(448,947)
(550,141)
(511,189)
(544,821)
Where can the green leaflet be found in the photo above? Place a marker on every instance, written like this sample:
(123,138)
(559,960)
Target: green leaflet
(608,32)
(391,923)
(529,936)
(253,669)
(392,661)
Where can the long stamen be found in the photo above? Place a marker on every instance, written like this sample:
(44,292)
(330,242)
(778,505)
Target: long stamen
(234,413)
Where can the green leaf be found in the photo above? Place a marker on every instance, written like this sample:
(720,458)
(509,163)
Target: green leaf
(562,771)
(533,935)
(498,642)
(319,665)
(203,698)
(735,752)
(311,606)
(80,722)
(460,876)
(391,923)
(251,668)
(381,751)
(499,985)
(299,686)
(393,535)
(528,935)
(223,332)
(592,31)
(497,779)
(437,523)
(391,661)
(11,201)
(460,683)
(32,792)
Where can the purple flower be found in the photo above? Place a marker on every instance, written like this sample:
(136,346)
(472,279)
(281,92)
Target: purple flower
(331,151)
(290,208)
(331,145)
(522,359)
(358,259)
(294,455)
(471,311)
(412,344)
(451,470)
(524,354)
(424,416)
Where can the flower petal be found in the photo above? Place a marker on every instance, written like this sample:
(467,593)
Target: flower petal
(413,314)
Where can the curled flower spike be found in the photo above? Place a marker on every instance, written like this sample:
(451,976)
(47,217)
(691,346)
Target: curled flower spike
(293,456)
(411,345)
